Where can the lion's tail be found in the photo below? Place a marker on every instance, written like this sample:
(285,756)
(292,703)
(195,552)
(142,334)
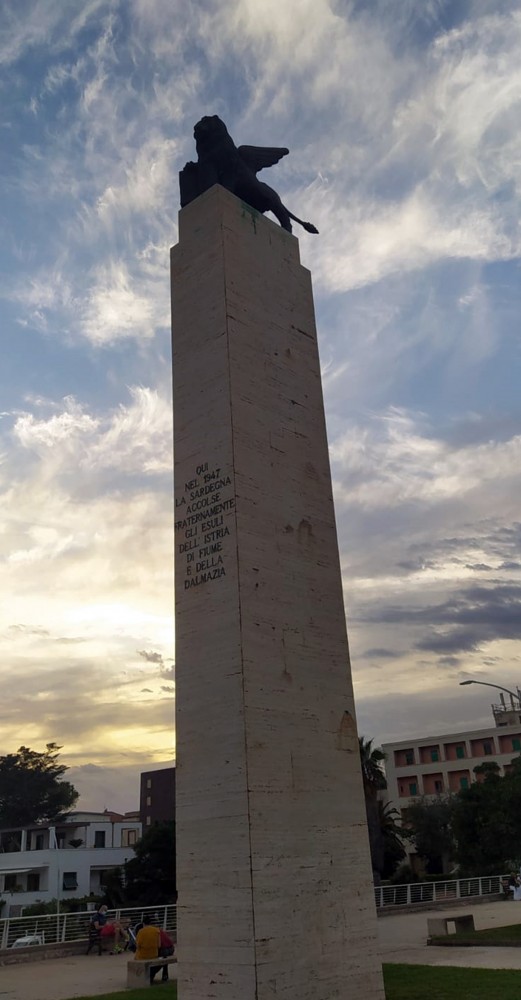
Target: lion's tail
(308,226)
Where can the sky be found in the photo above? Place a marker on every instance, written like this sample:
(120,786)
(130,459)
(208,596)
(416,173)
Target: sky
(402,121)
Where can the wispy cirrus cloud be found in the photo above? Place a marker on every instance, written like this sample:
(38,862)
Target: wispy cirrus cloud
(133,438)
(400,463)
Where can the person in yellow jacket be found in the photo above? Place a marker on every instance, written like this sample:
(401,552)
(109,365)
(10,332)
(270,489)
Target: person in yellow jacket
(148,943)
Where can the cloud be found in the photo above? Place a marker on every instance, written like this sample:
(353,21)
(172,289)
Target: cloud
(151,657)
(145,186)
(115,309)
(67,427)
(45,23)
(396,463)
(101,543)
(477,617)
(134,438)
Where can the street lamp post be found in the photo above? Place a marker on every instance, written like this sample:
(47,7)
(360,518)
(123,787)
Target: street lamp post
(513,695)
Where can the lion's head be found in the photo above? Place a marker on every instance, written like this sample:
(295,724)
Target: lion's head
(210,127)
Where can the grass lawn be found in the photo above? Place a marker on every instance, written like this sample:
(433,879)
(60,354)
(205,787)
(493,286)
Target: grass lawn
(509,935)
(169,992)
(427,982)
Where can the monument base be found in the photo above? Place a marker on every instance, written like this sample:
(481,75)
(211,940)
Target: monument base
(273,868)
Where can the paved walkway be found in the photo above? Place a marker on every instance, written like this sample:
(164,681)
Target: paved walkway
(403,938)
(65,978)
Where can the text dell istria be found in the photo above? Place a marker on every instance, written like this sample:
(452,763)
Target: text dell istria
(201,532)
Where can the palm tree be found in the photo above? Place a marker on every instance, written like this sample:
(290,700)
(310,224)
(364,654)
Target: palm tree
(371,759)
(372,771)
(393,850)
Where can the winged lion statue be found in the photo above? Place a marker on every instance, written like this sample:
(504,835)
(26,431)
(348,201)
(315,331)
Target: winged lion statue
(220,161)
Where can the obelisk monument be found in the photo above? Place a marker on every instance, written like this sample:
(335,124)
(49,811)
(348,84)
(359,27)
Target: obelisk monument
(275,894)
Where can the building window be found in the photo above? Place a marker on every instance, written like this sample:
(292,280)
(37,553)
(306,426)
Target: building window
(33,882)
(149,821)
(10,883)
(128,838)
(460,752)
(149,782)
(149,800)
(464,782)
(409,757)
(487,749)
(99,838)
(38,842)
(70,881)
(516,744)
(438,786)
(434,755)
(413,788)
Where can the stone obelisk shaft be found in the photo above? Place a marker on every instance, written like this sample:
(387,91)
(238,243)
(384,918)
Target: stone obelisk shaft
(273,869)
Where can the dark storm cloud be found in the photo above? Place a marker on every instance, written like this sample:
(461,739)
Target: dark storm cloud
(455,641)
(496,540)
(449,661)
(381,654)
(463,623)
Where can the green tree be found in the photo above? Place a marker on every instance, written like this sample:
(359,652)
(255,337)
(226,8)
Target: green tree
(489,769)
(429,828)
(486,821)
(372,759)
(150,875)
(31,789)
(114,889)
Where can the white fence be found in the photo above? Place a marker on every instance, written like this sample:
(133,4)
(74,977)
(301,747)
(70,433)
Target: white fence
(436,892)
(56,928)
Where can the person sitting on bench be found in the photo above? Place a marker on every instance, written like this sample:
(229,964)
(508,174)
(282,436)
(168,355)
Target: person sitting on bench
(148,941)
(96,925)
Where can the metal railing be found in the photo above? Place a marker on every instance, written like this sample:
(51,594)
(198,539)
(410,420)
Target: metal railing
(436,892)
(56,928)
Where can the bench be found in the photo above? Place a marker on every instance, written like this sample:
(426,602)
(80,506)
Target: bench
(438,926)
(94,940)
(138,971)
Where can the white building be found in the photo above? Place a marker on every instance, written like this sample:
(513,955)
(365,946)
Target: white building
(445,763)
(68,860)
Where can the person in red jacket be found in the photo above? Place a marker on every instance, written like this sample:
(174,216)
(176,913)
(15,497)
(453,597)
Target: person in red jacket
(166,947)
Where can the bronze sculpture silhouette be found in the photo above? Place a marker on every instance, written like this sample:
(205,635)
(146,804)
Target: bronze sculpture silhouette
(220,161)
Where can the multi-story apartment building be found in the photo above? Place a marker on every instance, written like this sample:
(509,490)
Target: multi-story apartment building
(437,765)
(157,797)
(67,860)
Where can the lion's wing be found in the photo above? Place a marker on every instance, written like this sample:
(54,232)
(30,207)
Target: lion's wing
(257,157)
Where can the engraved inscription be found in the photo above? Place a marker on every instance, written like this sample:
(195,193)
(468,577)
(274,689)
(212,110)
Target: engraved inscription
(200,527)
